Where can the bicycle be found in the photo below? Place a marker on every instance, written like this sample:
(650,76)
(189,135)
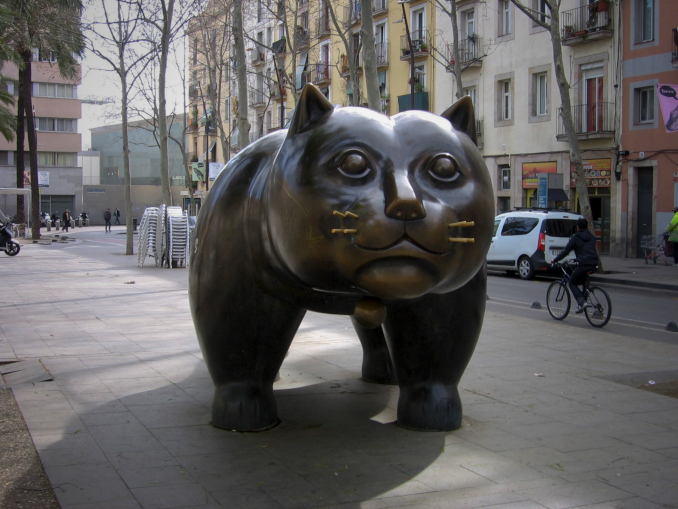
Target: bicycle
(558,299)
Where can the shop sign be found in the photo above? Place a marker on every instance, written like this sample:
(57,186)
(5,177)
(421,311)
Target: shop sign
(531,170)
(598,173)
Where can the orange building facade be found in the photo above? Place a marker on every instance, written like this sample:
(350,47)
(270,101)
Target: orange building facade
(649,171)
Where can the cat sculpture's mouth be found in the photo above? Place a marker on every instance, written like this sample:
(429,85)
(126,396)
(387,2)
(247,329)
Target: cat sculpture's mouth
(404,239)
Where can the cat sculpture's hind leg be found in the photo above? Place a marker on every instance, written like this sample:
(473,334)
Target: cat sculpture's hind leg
(431,342)
(377,364)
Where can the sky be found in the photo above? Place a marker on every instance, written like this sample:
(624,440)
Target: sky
(99,84)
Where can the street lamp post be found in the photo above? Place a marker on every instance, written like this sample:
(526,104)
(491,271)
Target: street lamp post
(409,42)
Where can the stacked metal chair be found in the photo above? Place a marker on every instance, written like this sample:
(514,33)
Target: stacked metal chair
(148,235)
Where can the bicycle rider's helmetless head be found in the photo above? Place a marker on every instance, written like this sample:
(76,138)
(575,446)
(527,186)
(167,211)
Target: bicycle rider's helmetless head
(582,224)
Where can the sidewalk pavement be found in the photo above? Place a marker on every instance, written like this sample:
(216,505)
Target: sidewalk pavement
(552,415)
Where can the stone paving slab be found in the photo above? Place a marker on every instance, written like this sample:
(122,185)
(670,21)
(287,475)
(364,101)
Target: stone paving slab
(125,421)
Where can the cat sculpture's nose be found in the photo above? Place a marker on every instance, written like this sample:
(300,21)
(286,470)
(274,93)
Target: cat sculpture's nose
(401,199)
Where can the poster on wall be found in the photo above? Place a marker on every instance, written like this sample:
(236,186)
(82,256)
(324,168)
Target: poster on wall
(669,106)
(198,172)
(215,170)
(531,170)
(598,173)
(43,179)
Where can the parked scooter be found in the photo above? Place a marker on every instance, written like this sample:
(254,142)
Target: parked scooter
(9,246)
(44,218)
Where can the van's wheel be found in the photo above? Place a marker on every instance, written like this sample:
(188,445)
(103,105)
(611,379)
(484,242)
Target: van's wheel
(525,268)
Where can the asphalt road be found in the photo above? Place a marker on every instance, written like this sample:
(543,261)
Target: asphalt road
(636,312)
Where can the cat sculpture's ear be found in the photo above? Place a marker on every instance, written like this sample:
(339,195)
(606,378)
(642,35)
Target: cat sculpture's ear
(461,116)
(311,106)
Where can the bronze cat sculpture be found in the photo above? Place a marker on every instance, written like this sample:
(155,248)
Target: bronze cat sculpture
(346,212)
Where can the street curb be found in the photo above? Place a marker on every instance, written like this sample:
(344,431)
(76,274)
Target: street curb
(626,282)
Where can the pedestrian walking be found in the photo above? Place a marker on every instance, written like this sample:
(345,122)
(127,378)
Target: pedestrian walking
(66,218)
(117,215)
(107,218)
(672,230)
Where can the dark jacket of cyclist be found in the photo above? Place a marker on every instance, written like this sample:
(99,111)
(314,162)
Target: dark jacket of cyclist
(583,243)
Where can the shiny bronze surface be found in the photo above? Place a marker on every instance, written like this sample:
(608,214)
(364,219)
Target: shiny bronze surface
(348,212)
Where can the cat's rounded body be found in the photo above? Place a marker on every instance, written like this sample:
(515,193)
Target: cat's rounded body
(347,212)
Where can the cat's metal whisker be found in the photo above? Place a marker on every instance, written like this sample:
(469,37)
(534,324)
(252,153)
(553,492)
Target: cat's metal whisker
(462,240)
(344,230)
(461,224)
(345,214)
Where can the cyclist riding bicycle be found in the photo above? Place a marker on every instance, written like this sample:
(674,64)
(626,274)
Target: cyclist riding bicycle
(584,245)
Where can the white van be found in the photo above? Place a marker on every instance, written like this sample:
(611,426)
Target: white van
(525,240)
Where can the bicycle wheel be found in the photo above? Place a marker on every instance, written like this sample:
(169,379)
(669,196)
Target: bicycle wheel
(600,313)
(558,300)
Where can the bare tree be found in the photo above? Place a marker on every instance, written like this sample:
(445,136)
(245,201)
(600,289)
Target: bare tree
(163,24)
(370,57)
(116,41)
(351,51)
(239,40)
(451,11)
(550,20)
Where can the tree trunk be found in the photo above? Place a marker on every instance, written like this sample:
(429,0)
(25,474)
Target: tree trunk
(370,57)
(241,113)
(129,223)
(168,12)
(455,49)
(566,113)
(26,77)
(20,148)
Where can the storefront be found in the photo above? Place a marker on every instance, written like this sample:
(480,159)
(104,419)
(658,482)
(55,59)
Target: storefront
(598,174)
(530,180)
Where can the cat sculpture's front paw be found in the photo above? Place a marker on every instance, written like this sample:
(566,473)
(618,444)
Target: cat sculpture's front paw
(429,407)
(244,407)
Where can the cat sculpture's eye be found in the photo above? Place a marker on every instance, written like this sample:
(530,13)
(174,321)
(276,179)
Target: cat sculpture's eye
(444,168)
(354,165)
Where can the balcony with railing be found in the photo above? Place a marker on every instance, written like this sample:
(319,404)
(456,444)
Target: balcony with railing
(301,37)
(674,47)
(381,49)
(279,47)
(258,99)
(351,16)
(379,6)
(321,73)
(275,92)
(479,133)
(420,45)
(471,53)
(344,63)
(589,23)
(323,25)
(591,121)
(258,55)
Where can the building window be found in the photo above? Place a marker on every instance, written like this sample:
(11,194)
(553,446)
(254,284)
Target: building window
(4,157)
(504,17)
(505,177)
(61,125)
(471,92)
(60,91)
(420,77)
(541,88)
(259,11)
(644,100)
(646,20)
(56,159)
(543,11)
(505,93)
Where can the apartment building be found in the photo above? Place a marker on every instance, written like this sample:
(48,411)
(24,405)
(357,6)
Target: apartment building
(280,64)
(649,175)
(508,71)
(57,110)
